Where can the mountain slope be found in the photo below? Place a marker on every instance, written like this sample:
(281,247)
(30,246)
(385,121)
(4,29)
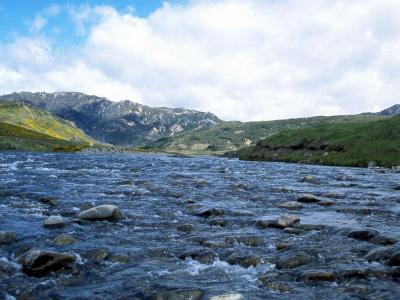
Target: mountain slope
(23,127)
(346,144)
(119,123)
(391,111)
(231,136)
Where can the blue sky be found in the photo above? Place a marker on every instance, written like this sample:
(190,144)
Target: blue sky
(16,15)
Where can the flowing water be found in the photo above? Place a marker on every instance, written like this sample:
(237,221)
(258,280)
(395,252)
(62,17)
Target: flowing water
(149,255)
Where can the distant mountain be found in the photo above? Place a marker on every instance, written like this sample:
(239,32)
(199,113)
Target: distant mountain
(124,123)
(391,111)
(23,127)
(231,136)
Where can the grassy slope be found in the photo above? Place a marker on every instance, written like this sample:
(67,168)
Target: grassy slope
(231,136)
(27,128)
(346,144)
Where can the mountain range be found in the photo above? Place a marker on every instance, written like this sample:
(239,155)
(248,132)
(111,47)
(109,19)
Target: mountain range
(180,130)
(123,123)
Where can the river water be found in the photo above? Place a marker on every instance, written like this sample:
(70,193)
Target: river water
(150,255)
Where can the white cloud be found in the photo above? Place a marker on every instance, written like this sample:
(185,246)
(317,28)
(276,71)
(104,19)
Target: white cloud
(241,59)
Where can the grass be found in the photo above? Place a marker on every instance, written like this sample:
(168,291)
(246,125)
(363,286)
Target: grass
(343,144)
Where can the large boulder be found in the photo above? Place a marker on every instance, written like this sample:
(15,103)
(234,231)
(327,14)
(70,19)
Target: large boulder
(102,212)
(39,263)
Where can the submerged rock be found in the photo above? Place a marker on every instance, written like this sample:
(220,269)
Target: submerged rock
(317,275)
(7,237)
(363,235)
(187,228)
(39,263)
(54,222)
(102,212)
(203,256)
(63,240)
(210,212)
(293,261)
(394,260)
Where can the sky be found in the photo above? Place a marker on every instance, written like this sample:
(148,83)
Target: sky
(245,60)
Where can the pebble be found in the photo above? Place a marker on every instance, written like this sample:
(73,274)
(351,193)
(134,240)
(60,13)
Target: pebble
(210,212)
(54,222)
(102,212)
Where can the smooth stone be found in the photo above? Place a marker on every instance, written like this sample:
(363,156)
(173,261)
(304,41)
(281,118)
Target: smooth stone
(210,212)
(54,222)
(363,235)
(316,275)
(39,263)
(187,228)
(287,221)
(294,261)
(291,205)
(102,212)
(310,179)
(274,285)
(308,198)
(63,240)
(7,237)
(227,297)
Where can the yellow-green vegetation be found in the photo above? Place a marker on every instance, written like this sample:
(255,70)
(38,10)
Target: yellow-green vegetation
(343,144)
(232,136)
(28,128)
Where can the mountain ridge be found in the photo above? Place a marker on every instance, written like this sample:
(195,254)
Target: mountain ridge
(123,123)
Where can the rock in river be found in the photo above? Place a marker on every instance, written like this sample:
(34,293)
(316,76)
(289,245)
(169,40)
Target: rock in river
(206,213)
(7,237)
(287,221)
(317,275)
(102,212)
(363,235)
(39,263)
(54,222)
(291,205)
(294,261)
(227,297)
(308,198)
(63,240)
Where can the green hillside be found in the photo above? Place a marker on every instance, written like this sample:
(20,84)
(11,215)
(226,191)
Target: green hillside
(27,128)
(345,144)
(231,136)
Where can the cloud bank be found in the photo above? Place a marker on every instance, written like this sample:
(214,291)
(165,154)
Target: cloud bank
(241,59)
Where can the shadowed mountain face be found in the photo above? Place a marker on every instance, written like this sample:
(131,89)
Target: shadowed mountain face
(120,123)
(391,111)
